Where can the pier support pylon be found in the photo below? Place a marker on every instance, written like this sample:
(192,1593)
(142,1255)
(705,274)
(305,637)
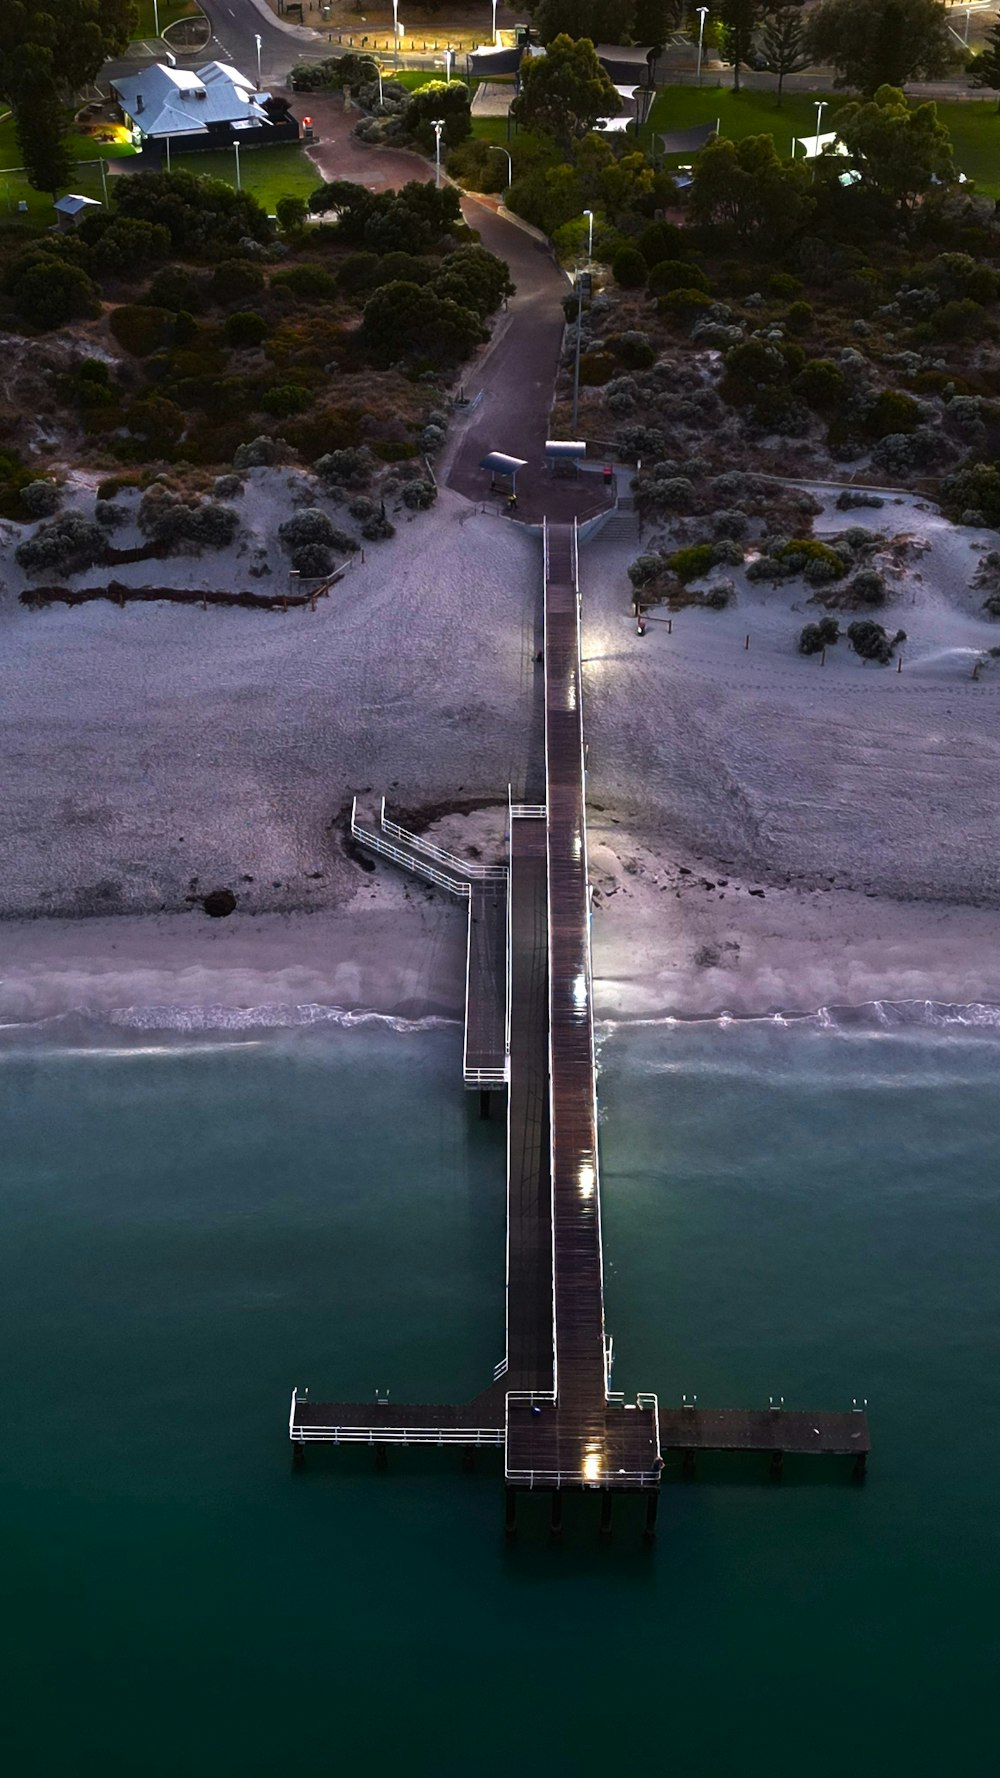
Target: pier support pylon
(555,1520)
(652,1507)
(484,1103)
(606,1504)
(510,1511)
(298,1455)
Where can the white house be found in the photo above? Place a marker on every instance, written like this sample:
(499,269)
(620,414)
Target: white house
(209,107)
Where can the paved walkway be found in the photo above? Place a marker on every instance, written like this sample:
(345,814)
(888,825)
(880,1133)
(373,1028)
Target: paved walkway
(516,371)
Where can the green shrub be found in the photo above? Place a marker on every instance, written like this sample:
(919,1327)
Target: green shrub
(632,348)
(285,399)
(869,640)
(676,274)
(291,213)
(892,411)
(310,282)
(352,467)
(312,559)
(41,499)
(175,287)
(165,518)
(47,291)
(783,287)
(66,545)
(596,368)
(659,241)
(821,384)
(644,570)
(961,320)
(974,489)
(681,305)
(628,268)
(311,526)
(693,562)
(419,495)
(141,328)
(246,328)
(800,318)
(391,450)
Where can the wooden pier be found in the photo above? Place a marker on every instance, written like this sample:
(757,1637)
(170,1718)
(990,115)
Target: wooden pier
(529,1028)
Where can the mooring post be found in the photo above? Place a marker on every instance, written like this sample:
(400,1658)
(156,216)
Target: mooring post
(555,1520)
(606,1504)
(484,1103)
(510,1511)
(652,1505)
(777,1465)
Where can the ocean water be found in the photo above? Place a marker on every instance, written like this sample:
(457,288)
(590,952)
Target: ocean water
(190,1224)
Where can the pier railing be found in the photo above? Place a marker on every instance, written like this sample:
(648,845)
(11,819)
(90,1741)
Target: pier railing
(477,873)
(377,842)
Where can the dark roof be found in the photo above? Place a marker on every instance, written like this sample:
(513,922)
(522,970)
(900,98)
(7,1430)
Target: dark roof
(688,141)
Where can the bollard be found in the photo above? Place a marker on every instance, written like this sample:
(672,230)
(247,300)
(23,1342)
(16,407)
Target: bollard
(670,626)
(746,644)
(899,665)
(822,658)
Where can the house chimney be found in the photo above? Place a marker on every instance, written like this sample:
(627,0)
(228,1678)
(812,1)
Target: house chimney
(138,103)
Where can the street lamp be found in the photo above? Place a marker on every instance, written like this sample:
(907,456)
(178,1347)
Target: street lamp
(589,214)
(497,149)
(702,16)
(449,58)
(438,127)
(395,33)
(236,151)
(156,19)
(576,350)
(495,39)
(258,40)
(821,105)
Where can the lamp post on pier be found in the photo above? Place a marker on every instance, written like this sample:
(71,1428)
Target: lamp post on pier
(258,39)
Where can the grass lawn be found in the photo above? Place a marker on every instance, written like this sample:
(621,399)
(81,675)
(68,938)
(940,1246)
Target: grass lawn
(974,126)
(168,11)
(269,173)
(85,177)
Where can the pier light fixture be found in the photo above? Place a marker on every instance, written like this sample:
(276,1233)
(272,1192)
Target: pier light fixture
(395,33)
(580,989)
(591,1464)
(495,38)
(702,16)
(587,1180)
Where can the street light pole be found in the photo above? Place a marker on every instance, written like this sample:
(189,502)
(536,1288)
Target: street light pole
(589,214)
(820,108)
(438,127)
(236,149)
(156,19)
(576,352)
(395,33)
(498,149)
(494,23)
(702,16)
(259,41)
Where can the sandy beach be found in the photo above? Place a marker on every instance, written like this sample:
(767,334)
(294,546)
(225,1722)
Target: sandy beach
(766,834)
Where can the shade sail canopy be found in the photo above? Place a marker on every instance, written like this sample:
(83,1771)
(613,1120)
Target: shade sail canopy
(813,145)
(500,464)
(689,141)
(486,63)
(563,449)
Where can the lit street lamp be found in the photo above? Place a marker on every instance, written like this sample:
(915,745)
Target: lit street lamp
(496,39)
(438,127)
(589,214)
(821,105)
(236,151)
(702,16)
(156,19)
(395,33)
(497,149)
(259,41)
(449,60)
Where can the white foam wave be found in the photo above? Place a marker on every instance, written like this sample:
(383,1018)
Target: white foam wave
(872,1018)
(80,1032)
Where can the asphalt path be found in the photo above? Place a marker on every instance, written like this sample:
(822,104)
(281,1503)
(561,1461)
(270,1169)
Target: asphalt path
(516,372)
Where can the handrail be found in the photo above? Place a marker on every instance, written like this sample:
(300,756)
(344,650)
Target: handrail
(528,811)
(486,1077)
(377,844)
(480,873)
(570,1478)
(398,1435)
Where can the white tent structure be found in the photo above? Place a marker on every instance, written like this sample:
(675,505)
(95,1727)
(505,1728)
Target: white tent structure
(812,146)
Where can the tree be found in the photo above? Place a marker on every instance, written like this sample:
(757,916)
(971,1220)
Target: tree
(564,92)
(603,21)
(745,188)
(783,43)
(410,321)
(47,290)
(475,279)
(654,20)
(874,43)
(201,215)
(985,70)
(446,101)
(47,52)
(739,19)
(898,151)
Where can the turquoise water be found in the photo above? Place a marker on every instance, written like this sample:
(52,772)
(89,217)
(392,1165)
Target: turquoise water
(188,1230)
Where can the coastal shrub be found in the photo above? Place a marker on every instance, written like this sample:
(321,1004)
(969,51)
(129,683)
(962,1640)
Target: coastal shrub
(693,562)
(621,395)
(628,268)
(869,640)
(674,494)
(800,318)
(817,636)
(891,411)
(108,515)
(235,283)
(596,368)
(419,495)
(312,559)
(313,283)
(644,570)
(963,320)
(676,274)
(632,348)
(245,328)
(352,467)
(141,328)
(852,497)
(227,487)
(718,596)
(47,291)
(41,499)
(866,588)
(67,545)
(177,287)
(313,526)
(821,384)
(727,552)
(729,523)
(783,287)
(912,453)
(976,489)
(682,305)
(261,453)
(377,527)
(285,399)
(190,525)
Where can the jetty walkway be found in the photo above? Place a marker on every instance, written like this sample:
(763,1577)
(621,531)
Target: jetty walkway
(529,1029)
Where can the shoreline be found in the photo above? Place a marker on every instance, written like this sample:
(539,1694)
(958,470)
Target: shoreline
(669,944)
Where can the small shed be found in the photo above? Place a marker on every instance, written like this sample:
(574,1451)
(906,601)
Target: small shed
(71,210)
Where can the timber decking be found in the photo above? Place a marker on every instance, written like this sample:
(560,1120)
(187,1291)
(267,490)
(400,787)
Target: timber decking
(529,1188)
(765,1429)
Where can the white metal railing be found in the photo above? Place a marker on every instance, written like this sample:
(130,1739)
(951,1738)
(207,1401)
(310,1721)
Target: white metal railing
(571,1478)
(486,1077)
(479,873)
(499,1370)
(528,811)
(376,843)
(398,1435)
